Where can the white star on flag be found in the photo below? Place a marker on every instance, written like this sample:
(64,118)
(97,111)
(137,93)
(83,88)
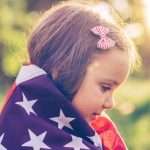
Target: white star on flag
(1,146)
(76,143)
(36,142)
(27,104)
(62,120)
(96,140)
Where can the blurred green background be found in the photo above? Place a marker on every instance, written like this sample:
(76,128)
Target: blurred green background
(132,112)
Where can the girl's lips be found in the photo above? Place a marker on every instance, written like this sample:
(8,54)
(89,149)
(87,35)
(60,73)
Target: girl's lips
(93,116)
(97,113)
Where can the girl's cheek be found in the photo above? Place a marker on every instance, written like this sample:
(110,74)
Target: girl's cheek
(99,94)
(99,91)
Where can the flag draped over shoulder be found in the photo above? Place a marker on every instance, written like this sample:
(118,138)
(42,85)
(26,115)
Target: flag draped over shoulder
(38,116)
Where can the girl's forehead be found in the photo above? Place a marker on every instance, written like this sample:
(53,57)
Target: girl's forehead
(112,65)
(111,57)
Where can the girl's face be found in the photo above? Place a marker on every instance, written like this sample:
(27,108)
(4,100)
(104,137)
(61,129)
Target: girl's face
(104,75)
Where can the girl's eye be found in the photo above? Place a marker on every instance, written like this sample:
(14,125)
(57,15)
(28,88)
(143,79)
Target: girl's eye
(105,88)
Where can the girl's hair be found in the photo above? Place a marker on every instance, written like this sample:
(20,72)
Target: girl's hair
(63,45)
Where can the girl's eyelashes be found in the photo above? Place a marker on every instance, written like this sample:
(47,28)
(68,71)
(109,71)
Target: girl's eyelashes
(105,88)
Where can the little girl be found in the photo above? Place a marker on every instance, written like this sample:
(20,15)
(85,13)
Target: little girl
(77,62)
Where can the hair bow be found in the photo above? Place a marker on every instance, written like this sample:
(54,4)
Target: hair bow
(105,42)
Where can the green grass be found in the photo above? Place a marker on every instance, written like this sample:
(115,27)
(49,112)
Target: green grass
(3,91)
(135,90)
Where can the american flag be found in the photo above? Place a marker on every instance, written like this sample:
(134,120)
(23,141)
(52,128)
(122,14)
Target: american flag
(37,116)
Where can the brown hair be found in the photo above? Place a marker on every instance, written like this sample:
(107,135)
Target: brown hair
(63,45)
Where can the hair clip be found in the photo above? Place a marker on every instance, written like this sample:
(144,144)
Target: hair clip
(105,42)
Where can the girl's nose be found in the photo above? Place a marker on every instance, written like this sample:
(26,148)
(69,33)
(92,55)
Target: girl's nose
(109,103)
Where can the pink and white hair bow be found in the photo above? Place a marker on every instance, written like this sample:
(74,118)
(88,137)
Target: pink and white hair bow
(105,42)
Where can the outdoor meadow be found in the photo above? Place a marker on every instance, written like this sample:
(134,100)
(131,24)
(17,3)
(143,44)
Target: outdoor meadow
(132,111)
